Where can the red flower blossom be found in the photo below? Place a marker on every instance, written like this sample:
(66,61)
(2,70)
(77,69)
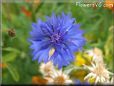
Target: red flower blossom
(110,3)
(25,11)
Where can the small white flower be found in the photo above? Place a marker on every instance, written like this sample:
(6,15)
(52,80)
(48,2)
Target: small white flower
(98,72)
(58,77)
(54,76)
(96,53)
(47,69)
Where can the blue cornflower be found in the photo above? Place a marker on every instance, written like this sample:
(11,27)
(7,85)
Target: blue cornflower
(56,39)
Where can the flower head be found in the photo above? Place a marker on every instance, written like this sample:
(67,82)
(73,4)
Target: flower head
(53,75)
(59,78)
(25,11)
(59,34)
(98,72)
(110,4)
(96,54)
(47,69)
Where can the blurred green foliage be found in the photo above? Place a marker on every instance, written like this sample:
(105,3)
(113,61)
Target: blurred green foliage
(96,22)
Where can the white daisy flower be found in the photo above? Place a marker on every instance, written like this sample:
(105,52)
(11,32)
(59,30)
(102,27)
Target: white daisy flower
(98,72)
(96,53)
(58,77)
(47,69)
(54,76)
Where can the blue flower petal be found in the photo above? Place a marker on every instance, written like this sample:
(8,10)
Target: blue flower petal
(59,32)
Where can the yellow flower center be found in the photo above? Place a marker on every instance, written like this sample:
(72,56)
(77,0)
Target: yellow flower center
(59,80)
(46,69)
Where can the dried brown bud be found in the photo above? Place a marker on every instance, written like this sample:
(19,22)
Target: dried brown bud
(11,32)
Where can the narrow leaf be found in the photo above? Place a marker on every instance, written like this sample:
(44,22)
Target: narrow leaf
(13,71)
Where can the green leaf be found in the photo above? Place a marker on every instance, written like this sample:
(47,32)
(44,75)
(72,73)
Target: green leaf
(9,57)
(11,49)
(70,68)
(13,71)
